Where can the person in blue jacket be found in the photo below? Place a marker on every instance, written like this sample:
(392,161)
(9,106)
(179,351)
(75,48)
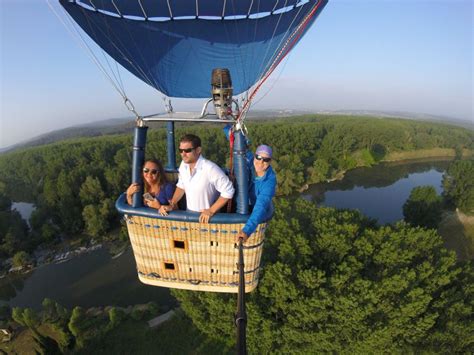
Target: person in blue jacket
(261,189)
(262,186)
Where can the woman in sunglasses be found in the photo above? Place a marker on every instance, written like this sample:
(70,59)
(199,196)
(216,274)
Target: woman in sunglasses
(158,191)
(261,189)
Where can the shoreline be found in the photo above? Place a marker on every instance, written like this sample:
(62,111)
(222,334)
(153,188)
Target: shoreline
(67,251)
(57,257)
(405,160)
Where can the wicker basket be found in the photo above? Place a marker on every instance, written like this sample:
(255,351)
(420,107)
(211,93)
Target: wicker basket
(193,256)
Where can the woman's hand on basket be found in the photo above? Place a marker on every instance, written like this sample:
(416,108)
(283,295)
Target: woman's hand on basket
(163,210)
(242,235)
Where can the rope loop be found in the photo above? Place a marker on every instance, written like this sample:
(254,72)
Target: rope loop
(244,129)
(129,105)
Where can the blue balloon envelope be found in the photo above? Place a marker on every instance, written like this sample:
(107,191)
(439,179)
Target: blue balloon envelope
(174,45)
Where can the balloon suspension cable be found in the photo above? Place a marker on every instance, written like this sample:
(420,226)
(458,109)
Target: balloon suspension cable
(289,44)
(117,83)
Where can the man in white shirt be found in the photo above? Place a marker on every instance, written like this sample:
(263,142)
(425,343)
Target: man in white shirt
(206,186)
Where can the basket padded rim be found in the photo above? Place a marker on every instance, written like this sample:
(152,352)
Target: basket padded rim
(184,216)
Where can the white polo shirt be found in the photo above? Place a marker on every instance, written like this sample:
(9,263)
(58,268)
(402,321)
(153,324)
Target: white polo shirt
(205,185)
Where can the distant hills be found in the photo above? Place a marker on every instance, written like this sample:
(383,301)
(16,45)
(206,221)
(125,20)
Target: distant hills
(125,125)
(405,115)
(94,129)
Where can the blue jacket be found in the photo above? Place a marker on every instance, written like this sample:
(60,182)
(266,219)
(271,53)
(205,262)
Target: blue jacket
(261,192)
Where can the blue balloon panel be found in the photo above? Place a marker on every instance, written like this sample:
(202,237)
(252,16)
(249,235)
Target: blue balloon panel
(177,56)
(178,8)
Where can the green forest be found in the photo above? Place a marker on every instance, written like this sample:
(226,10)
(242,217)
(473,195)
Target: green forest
(75,183)
(332,280)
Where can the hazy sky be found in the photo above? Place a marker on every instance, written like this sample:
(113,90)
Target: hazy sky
(405,55)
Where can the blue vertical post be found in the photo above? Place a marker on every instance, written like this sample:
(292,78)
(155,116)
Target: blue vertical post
(241,173)
(139,143)
(171,146)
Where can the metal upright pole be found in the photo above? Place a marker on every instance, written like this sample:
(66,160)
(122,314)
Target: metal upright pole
(241,173)
(171,146)
(241,316)
(139,143)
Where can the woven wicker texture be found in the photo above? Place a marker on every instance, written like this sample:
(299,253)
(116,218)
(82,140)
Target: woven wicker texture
(193,256)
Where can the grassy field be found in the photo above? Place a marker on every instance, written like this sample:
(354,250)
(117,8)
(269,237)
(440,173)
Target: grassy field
(426,153)
(457,231)
(177,336)
(420,154)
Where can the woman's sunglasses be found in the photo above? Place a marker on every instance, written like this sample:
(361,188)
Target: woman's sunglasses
(266,160)
(186,150)
(151,171)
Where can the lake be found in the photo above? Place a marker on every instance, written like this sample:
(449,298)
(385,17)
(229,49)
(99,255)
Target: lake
(95,279)
(380,191)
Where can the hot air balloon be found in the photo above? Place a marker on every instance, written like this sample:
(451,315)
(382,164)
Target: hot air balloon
(213,49)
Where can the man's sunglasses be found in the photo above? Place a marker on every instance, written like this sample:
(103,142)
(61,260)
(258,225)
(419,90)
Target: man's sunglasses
(266,160)
(186,150)
(151,171)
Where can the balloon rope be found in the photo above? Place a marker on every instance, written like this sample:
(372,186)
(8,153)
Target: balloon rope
(76,35)
(143,10)
(231,165)
(282,39)
(116,8)
(290,43)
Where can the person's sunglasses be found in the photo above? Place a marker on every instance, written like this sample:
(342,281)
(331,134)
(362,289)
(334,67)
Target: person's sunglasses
(151,171)
(186,150)
(266,160)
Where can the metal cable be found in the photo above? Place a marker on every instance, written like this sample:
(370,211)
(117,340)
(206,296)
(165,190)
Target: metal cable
(291,41)
(239,50)
(143,10)
(223,9)
(149,80)
(273,36)
(256,86)
(81,41)
(284,37)
(146,78)
(116,8)
(169,9)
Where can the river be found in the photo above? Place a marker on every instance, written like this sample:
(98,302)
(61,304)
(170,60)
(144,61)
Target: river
(95,279)
(91,279)
(380,191)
